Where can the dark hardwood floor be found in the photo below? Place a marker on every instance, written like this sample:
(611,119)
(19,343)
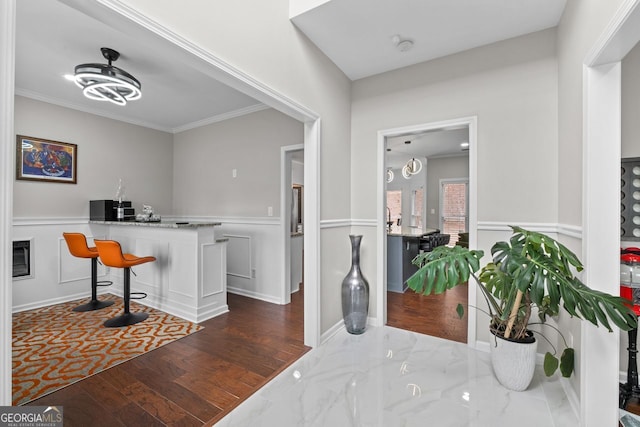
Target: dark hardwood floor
(433,315)
(196,380)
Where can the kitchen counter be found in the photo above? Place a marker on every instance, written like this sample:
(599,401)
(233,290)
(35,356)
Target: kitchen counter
(410,231)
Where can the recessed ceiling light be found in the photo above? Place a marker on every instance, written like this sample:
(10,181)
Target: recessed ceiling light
(464,145)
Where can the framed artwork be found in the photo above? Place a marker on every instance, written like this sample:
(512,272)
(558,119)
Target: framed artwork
(40,159)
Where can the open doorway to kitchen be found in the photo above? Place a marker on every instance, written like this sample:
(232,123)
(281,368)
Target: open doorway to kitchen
(447,153)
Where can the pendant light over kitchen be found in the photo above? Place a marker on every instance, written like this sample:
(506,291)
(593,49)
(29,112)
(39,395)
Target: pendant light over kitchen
(105,82)
(412,167)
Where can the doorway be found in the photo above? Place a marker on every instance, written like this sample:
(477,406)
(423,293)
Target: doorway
(430,209)
(292,219)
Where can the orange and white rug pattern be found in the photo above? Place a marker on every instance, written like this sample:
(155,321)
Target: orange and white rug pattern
(55,346)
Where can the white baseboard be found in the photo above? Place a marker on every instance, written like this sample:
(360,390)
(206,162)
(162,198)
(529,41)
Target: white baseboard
(329,333)
(60,300)
(254,295)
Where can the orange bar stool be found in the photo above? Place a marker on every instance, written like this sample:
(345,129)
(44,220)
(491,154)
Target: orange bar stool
(111,255)
(77,243)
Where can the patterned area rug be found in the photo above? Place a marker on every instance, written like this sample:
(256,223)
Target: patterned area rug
(55,346)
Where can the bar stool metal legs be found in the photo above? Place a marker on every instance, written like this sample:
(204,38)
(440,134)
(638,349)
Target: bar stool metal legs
(111,255)
(77,244)
(126,318)
(95,303)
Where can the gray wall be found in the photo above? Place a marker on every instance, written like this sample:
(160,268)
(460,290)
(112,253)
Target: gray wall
(204,159)
(107,150)
(511,86)
(631,103)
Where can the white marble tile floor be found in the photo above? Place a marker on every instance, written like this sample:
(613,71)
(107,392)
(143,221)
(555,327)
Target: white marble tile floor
(388,377)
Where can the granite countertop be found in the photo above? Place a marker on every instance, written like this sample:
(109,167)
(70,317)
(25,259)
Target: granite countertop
(410,231)
(161,224)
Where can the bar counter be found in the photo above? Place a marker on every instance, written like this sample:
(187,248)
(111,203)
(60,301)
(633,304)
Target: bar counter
(188,278)
(159,224)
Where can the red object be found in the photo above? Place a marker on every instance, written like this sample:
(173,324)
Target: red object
(629,256)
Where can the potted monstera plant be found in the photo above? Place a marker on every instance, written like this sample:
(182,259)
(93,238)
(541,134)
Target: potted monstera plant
(531,272)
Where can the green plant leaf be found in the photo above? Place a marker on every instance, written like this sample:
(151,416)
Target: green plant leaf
(443,268)
(550,364)
(566,362)
(460,311)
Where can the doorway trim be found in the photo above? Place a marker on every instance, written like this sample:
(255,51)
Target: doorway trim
(285,217)
(7,88)
(601,155)
(381,230)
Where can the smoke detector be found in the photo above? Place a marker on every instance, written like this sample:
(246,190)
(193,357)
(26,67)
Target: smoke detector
(402,45)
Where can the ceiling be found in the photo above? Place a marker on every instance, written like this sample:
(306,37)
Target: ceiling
(177,91)
(431,144)
(180,91)
(358,35)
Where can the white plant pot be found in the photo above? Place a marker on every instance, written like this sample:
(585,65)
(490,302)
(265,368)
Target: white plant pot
(513,362)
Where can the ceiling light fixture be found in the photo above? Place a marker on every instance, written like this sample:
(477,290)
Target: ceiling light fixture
(105,82)
(412,167)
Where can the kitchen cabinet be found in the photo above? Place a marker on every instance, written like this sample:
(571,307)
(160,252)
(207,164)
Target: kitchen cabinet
(401,250)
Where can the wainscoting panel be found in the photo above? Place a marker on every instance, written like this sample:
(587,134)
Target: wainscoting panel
(213,279)
(239,256)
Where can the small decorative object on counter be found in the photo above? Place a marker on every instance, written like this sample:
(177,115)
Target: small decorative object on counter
(120,197)
(147,215)
(355,293)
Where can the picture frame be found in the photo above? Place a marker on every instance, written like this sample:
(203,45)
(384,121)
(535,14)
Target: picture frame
(39,159)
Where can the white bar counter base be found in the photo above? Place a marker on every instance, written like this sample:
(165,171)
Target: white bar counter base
(188,278)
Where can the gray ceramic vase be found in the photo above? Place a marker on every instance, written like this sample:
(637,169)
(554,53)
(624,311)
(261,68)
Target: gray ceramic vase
(355,293)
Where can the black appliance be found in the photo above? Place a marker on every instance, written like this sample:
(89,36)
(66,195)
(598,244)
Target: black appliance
(107,210)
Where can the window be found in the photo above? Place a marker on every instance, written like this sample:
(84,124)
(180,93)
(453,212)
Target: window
(454,210)
(417,202)
(394,208)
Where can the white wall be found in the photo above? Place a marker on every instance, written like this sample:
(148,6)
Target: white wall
(511,87)
(107,150)
(580,26)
